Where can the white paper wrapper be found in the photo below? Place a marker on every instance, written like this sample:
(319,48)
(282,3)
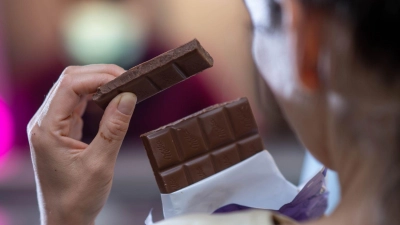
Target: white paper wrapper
(255,182)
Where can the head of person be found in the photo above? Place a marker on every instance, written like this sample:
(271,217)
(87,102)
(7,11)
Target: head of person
(334,68)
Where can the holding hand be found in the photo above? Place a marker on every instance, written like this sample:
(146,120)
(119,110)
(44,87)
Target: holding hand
(74,179)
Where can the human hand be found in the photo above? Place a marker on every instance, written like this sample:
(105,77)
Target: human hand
(73,178)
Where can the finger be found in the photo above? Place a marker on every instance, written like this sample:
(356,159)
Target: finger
(38,115)
(71,89)
(81,107)
(88,69)
(76,127)
(111,69)
(96,68)
(115,123)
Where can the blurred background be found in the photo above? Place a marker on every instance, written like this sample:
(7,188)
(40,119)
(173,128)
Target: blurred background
(38,39)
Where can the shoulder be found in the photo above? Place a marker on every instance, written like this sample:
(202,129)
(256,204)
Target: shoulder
(253,217)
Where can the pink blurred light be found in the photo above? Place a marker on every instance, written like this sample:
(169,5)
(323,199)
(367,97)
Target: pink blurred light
(6,129)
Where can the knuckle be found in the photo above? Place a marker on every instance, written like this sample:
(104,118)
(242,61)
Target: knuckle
(112,68)
(66,80)
(116,128)
(76,118)
(70,69)
(33,134)
(35,138)
(80,122)
(31,125)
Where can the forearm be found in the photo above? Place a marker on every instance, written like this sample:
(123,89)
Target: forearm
(62,209)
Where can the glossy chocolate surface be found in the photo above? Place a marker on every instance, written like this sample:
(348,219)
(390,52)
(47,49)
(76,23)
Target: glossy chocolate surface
(202,144)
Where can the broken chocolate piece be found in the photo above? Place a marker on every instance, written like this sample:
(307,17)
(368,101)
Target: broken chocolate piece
(157,74)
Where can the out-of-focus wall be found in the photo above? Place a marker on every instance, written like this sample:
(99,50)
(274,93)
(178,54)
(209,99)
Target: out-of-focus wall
(40,38)
(224,27)
(44,36)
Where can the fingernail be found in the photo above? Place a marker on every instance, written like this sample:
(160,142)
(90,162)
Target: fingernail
(127,103)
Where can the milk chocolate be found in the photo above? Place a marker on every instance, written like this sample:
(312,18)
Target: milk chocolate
(157,74)
(202,144)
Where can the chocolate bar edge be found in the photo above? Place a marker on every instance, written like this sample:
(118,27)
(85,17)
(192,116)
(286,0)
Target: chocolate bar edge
(191,46)
(205,110)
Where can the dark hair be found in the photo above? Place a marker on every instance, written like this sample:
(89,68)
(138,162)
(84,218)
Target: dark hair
(376,32)
(376,27)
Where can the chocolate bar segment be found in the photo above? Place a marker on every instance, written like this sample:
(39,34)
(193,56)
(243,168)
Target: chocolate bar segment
(202,144)
(157,74)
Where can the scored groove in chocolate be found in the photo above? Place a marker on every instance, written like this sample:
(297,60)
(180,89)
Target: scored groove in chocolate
(179,71)
(157,74)
(153,84)
(202,144)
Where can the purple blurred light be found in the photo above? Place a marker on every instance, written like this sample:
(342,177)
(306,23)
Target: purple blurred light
(6,129)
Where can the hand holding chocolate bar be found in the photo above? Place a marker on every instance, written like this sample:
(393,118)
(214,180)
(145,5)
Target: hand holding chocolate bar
(73,178)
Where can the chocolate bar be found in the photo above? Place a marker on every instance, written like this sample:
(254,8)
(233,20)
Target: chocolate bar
(157,74)
(202,144)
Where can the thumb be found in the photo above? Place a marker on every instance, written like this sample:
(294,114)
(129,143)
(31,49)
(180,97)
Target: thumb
(114,125)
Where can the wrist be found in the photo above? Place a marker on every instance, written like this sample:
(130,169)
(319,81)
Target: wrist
(61,214)
(52,218)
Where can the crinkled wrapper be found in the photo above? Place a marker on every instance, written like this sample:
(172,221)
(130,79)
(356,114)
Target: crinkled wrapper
(310,203)
(255,183)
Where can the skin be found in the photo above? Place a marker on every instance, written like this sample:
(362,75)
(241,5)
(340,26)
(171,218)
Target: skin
(73,178)
(336,104)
